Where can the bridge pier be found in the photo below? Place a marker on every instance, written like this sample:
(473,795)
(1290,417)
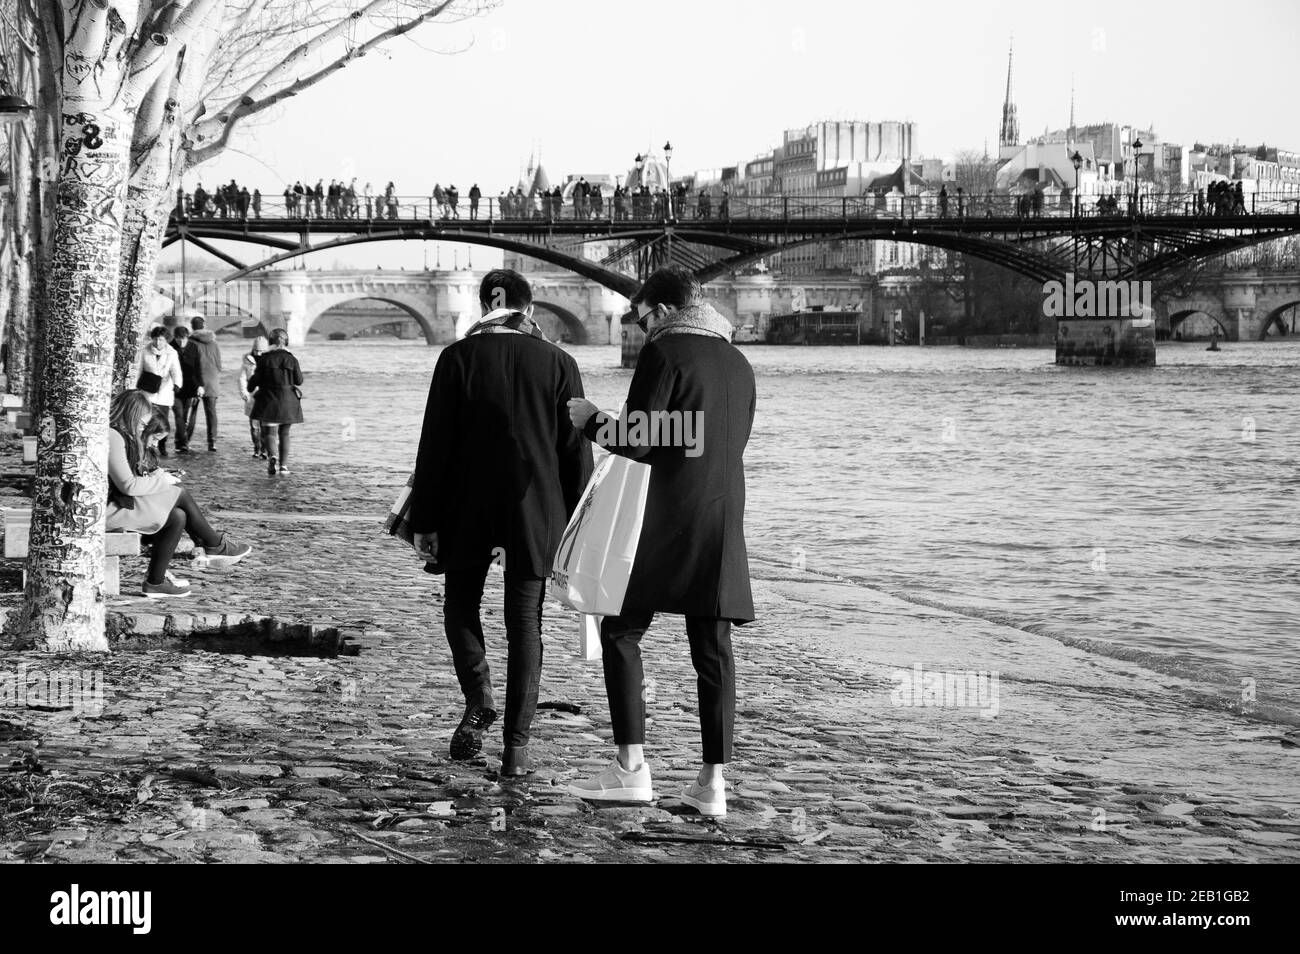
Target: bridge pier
(1119,342)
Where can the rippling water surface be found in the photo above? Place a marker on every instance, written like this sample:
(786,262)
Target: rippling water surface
(1149,512)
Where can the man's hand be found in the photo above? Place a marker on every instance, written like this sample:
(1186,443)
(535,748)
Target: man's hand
(200,390)
(581,411)
(426,545)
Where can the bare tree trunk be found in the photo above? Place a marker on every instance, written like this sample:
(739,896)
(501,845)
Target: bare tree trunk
(142,236)
(64,605)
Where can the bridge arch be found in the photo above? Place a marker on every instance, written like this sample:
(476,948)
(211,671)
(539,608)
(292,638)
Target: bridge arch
(571,323)
(616,281)
(1176,319)
(319,304)
(1277,317)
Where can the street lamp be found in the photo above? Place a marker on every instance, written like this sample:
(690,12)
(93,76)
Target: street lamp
(1078,164)
(1133,254)
(1137,144)
(668,171)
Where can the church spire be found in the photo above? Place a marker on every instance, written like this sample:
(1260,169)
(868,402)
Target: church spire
(1070,134)
(1009,134)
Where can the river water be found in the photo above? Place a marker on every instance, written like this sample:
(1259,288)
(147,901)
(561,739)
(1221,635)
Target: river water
(1149,514)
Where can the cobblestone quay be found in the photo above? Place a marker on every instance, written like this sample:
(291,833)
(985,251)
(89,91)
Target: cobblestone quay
(223,727)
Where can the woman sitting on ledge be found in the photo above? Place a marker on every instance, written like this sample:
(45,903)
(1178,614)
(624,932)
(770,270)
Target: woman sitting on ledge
(150,501)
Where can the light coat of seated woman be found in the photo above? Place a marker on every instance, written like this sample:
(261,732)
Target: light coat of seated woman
(151,502)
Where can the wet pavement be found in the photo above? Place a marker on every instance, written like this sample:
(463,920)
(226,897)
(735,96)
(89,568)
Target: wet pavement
(263,744)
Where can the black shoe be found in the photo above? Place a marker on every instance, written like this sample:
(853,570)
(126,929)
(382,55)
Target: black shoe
(270,467)
(182,450)
(467,740)
(515,761)
(212,448)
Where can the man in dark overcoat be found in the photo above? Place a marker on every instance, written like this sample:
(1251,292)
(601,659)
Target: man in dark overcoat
(691,557)
(499,472)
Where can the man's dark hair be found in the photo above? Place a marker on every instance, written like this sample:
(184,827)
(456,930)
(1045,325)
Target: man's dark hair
(279,337)
(157,331)
(197,323)
(672,285)
(504,288)
(180,332)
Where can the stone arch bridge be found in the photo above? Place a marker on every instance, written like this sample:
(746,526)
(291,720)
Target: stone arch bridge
(580,311)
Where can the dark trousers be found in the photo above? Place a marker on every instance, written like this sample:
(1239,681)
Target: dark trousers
(184,411)
(715,671)
(523,618)
(185,517)
(275,441)
(209,418)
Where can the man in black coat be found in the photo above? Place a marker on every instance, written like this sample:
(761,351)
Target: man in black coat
(186,403)
(693,397)
(499,471)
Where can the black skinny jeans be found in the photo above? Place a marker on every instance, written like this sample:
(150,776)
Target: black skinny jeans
(185,517)
(463,595)
(715,671)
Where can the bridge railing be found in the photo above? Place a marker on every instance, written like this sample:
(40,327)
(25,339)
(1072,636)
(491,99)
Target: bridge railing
(696,210)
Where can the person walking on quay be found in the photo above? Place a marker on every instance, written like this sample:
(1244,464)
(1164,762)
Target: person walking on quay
(691,558)
(150,501)
(187,395)
(160,377)
(475,193)
(276,384)
(246,368)
(208,353)
(499,472)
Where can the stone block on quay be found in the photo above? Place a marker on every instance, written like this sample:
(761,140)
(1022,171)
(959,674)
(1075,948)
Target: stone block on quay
(180,624)
(121,543)
(147,624)
(112,576)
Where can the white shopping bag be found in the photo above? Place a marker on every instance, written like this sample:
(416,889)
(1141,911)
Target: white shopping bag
(596,552)
(589,638)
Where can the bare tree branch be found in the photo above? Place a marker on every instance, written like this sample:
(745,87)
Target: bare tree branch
(223,125)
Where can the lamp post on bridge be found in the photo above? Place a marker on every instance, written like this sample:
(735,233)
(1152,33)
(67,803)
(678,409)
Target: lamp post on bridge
(1133,253)
(1077,160)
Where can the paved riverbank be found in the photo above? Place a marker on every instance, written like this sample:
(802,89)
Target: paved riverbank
(251,749)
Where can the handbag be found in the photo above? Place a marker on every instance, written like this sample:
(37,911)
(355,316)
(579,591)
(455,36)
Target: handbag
(594,561)
(148,382)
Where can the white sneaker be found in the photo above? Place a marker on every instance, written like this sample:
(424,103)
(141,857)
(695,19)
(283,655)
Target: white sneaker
(616,784)
(175,580)
(710,801)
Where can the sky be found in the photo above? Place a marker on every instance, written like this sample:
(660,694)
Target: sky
(589,83)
